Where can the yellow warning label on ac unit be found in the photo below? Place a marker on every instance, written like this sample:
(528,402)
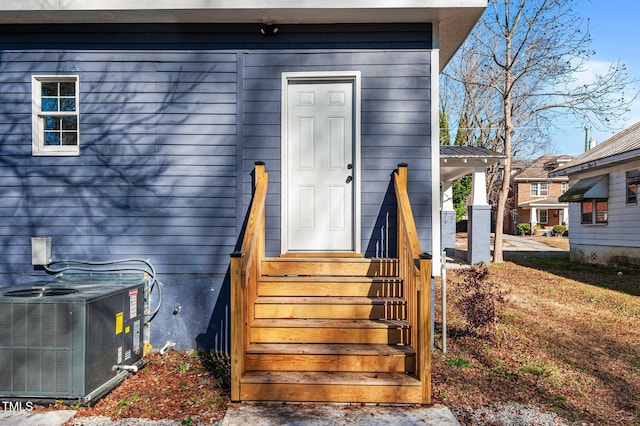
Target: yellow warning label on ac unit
(119,322)
(127,330)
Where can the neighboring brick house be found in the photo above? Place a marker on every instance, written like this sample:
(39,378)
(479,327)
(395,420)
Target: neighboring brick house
(535,195)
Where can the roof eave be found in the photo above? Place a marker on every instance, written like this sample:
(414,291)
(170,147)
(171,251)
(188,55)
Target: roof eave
(595,164)
(452,24)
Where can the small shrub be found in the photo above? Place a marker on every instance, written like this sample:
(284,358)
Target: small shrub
(540,369)
(183,368)
(524,228)
(218,364)
(459,362)
(128,401)
(479,299)
(559,229)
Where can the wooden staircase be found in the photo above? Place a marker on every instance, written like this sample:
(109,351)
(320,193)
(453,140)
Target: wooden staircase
(326,329)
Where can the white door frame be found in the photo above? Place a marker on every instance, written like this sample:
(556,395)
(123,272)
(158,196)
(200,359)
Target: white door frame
(328,76)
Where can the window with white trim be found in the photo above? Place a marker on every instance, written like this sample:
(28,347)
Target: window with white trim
(543,216)
(539,189)
(55,115)
(563,187)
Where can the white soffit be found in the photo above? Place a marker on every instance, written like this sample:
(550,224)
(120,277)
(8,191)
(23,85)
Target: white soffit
(454,18)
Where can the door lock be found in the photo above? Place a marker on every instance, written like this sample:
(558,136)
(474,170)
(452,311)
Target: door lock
(349,179)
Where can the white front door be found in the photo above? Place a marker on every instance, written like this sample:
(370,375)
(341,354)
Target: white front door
(320,174)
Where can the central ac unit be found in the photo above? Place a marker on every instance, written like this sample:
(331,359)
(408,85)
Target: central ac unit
(70,338)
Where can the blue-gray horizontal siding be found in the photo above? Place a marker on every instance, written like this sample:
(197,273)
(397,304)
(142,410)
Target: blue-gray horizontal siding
(156,177)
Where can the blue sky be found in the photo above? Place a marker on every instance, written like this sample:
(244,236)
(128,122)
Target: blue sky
(615,33)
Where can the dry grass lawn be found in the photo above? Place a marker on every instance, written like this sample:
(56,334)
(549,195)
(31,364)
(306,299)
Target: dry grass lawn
(568,340)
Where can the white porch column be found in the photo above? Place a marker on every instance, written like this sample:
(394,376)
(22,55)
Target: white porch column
(534,218)
(447,196)
(565,216)
(479,229)
(479,187)
(448,217)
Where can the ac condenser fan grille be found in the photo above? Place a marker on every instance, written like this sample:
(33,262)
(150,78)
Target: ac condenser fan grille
(41,292)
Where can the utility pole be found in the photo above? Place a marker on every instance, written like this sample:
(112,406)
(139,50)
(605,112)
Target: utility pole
(586,139)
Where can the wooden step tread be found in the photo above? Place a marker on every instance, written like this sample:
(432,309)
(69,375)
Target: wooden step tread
(329,286)
(334,386)
(331,323)
(329,378)
(329,300)
(328,259)
(330,266)
(330,349)
(329,279)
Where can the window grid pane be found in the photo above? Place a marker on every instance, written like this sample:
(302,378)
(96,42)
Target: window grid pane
(632,194)
(544,189)
(543,216)
(50,104)
(69,138)
(632,189)
(534,189)
(49,89)
(51,138)
(68,88)
(602,211)
(587,211)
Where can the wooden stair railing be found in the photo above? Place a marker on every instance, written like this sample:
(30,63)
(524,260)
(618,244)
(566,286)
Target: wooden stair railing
(415,270)
(245,271)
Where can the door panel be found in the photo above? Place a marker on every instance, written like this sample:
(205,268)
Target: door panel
(320,139)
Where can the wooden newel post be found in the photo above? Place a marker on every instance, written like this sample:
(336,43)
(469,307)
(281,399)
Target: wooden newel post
(258,172)
(237,324)
(402,171)
(424,319)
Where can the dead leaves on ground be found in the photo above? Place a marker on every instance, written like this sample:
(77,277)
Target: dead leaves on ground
(174,385)
(568,346)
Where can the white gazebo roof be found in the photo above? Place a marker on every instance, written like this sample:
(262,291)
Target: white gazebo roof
(458,161)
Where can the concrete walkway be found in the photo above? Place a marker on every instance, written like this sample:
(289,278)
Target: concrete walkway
(514,246)
(36,418)
(337,414)
(517,246)
(519,243)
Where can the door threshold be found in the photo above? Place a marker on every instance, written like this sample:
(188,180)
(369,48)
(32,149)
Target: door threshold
(322,254)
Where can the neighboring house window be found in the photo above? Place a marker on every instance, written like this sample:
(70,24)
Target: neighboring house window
(543,216)
(55,115)
(595,211)
(539,189)
(632,187)
(563,187)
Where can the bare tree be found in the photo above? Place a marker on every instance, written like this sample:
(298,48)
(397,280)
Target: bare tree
(518,72)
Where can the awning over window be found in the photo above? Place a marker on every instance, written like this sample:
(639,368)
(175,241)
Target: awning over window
(584,189)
